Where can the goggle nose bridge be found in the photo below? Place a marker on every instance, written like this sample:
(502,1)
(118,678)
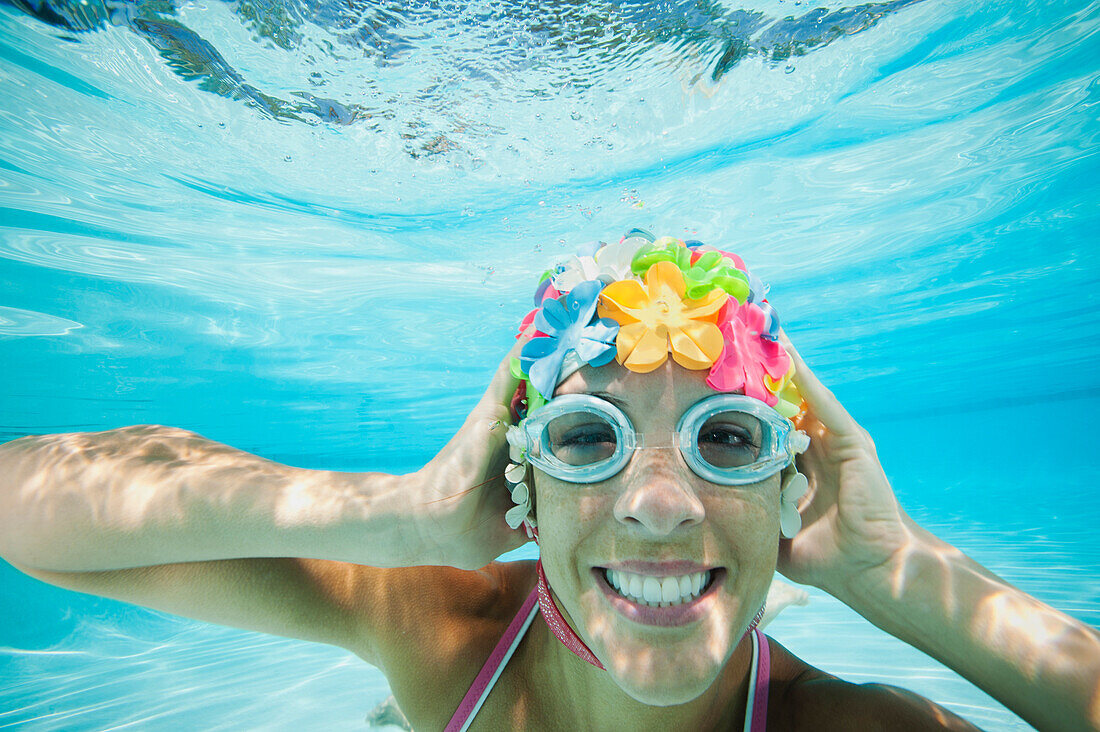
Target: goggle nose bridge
(654,441)
(671,441)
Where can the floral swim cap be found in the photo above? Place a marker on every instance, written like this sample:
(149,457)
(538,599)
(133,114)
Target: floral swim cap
(644,298)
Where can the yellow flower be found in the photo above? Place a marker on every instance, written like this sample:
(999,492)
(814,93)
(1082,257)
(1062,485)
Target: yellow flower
(656,318)
(789,400)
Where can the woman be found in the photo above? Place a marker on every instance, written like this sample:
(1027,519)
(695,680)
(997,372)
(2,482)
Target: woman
(658,481)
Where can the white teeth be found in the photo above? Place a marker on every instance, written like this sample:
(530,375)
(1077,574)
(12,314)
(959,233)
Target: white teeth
(670,589)
(658,591)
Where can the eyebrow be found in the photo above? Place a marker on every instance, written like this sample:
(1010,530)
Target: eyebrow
(610,398)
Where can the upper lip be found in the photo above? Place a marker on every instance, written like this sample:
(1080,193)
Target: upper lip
(658,569)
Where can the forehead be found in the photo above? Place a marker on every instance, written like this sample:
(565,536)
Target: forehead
(670,385)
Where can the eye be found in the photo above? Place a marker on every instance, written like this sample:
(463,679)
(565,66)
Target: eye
(585,435)
(582,443)
(727,436)
(727,445)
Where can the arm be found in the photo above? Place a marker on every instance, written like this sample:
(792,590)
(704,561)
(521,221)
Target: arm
(147,495)
(167,519)
(859,545)
(140,496)
(171,520)
(1037,661)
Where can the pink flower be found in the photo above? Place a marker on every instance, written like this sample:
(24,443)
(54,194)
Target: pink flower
(746,356)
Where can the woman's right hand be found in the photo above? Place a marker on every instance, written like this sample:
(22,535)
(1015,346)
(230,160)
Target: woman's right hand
(462,493)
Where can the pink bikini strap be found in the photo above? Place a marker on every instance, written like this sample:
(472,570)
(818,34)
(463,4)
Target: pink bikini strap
(489,673)
(763,676)
(557,623)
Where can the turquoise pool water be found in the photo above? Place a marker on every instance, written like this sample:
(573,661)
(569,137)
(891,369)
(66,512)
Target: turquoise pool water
(308,230)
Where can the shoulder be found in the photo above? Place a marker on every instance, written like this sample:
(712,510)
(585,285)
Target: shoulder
(392,608)
(430,629)
(804,697)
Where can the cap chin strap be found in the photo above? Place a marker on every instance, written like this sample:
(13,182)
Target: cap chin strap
(558,626)
(758,617)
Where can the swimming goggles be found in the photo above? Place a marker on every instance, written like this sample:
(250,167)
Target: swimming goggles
(729,439)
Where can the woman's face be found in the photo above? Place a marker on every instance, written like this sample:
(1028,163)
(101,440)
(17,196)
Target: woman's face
(657,519)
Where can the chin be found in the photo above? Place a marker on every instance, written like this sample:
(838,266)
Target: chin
(670,670)
(670,691)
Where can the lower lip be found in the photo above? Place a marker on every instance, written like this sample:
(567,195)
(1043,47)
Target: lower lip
(665,617)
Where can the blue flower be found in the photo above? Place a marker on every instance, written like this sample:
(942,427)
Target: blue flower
(757,289)
(771,322)
(569,327)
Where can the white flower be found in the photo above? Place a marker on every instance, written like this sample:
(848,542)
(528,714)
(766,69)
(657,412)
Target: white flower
(790,521)
(517,443)
(614,259)
(576,271)
(610,264)
(521,496)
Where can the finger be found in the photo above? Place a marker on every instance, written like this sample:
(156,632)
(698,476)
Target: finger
(823,403)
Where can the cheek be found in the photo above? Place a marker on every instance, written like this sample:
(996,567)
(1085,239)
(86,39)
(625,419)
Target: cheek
(748,523)
(566,514)
(558,504)
(568,517)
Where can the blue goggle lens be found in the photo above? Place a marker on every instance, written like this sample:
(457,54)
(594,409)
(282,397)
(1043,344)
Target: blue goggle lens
(582,438)
(729,440)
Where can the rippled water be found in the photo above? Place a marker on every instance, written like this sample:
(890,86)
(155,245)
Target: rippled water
(308,229)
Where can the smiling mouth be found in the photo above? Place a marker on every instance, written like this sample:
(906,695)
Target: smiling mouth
(659,591)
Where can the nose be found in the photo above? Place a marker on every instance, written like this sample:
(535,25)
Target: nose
(657,495)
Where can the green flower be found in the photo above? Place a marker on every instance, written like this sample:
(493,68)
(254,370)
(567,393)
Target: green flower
(665,249)
(534,399)
(711,270)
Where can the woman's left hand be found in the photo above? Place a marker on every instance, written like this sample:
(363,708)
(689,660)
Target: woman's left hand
(851,520)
